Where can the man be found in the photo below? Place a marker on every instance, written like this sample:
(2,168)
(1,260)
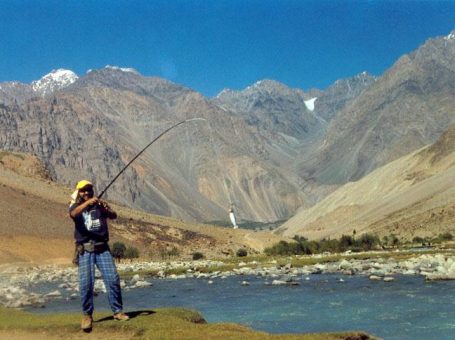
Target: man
(91,233)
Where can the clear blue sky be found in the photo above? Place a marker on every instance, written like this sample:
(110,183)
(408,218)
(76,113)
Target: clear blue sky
(214,44)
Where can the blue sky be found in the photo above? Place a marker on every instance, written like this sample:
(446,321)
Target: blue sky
(214,44)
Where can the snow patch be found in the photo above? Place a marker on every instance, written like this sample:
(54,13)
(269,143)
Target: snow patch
(53,81)
(123,69)
(224,92)
(310,103)
(451,36)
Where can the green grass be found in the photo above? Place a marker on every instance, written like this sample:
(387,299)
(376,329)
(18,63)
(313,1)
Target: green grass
(162,323)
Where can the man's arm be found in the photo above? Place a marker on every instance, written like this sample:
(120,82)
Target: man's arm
(80,208)
(108,210)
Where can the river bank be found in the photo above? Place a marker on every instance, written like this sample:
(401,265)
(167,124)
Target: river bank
(161,323)
(17,283)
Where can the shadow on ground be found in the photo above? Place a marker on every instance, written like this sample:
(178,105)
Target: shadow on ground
(132,315)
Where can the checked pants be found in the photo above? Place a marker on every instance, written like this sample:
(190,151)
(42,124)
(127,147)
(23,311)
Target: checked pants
(105,263)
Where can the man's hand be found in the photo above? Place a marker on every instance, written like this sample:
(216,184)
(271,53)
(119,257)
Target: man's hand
(107,209)
(92,201)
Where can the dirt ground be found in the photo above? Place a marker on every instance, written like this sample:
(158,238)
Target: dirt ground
(35,226)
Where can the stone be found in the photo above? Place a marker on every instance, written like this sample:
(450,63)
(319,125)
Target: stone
(136,278)
(140,284)
(54,294)
(375,278)
(344,264)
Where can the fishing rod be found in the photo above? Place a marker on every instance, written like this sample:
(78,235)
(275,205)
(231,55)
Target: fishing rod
(145,148)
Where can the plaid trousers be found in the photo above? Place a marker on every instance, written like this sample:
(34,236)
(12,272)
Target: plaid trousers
(105,263)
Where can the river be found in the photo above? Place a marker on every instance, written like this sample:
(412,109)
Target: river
(407,308)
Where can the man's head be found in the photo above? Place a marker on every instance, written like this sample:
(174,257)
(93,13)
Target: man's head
(85,189)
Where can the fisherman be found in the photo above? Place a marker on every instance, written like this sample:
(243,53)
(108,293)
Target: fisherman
(91,232)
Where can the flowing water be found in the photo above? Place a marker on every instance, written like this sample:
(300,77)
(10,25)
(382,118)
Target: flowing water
(407,308)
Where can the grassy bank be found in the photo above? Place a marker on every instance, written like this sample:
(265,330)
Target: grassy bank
(162,323)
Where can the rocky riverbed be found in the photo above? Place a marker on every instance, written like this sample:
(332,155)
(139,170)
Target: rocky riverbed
(17,284)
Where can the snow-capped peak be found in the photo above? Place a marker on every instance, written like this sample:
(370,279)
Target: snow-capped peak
(53,81)
(310,103)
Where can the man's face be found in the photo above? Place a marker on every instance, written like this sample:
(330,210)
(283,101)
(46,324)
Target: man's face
(86,192)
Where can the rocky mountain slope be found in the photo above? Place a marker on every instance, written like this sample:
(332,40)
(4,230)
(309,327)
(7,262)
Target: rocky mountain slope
(95,126)
(35,226)
(411,196)
(272,106)
(267,149)
(294,122)
(244,154)
(405,109)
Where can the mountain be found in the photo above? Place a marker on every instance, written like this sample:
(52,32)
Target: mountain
(411,196)
(406,108)
(56,80)
(268,149)
(93,127)
(332,100)
(17,92)
(294,122)
(14,92)
(273,106)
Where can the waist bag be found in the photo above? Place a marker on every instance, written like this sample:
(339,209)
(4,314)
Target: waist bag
(97,247)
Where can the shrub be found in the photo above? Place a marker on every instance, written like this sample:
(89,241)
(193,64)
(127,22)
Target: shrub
(118,250)
(173,252)
(367,241)
(299,239)
(395,241)
(131,252)
(167,253)
(329,246)
(418,239)
(280,248)
(447,236)
(242,252)
(303,246)
(198,256)
(346,242)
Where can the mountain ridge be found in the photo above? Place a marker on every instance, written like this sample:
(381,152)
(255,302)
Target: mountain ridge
(262,149)
(407,197)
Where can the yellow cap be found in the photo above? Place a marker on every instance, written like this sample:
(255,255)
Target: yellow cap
(82,184)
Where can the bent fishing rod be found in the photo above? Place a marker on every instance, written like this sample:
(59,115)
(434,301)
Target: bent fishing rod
(145,148)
